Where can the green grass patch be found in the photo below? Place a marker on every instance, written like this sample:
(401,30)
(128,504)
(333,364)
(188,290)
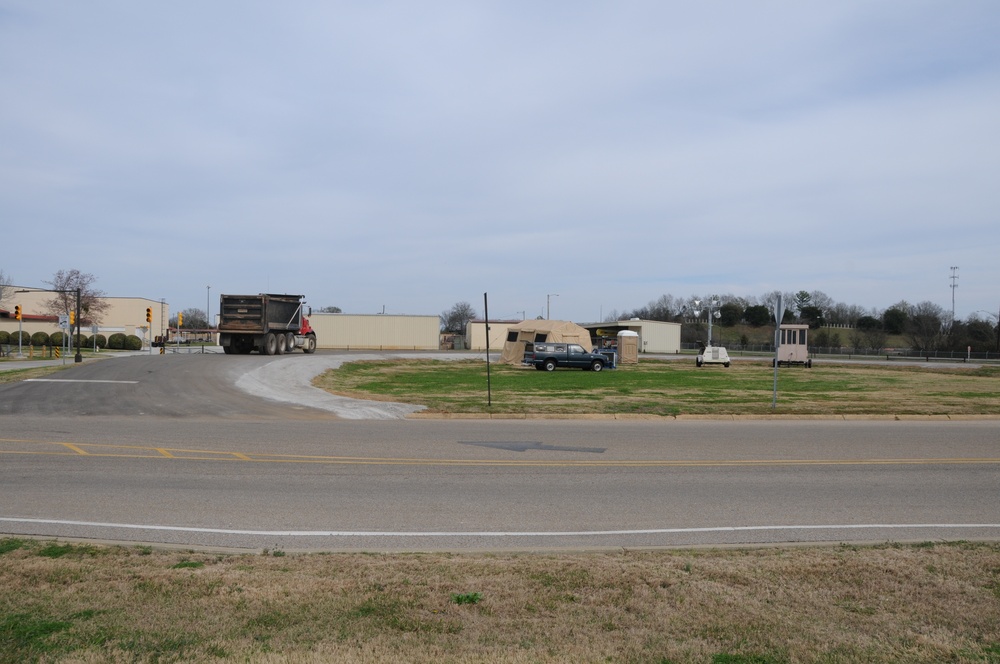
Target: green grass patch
(668,388)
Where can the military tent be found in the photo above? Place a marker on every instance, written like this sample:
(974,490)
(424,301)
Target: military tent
(530,331)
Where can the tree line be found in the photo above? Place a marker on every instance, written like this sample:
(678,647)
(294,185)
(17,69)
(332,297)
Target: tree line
(925,326)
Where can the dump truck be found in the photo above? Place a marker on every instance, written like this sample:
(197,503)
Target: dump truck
(267,323)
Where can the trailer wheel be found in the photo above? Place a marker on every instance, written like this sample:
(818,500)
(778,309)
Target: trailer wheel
(270,344)
(310,346)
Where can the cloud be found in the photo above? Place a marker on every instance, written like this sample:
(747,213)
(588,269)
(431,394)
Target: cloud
(413,156)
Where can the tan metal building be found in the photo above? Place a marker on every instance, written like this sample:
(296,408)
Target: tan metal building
(654,336)
(124,314)
(376,331)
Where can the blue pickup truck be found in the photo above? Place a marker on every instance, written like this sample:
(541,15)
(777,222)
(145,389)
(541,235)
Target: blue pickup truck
(547,356)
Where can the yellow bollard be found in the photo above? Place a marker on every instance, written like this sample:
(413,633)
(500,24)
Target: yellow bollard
(58,351)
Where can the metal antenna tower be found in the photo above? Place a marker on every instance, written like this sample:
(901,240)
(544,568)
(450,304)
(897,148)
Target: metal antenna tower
(954,285)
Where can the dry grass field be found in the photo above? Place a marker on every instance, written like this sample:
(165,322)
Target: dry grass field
(670,388)
(895,603)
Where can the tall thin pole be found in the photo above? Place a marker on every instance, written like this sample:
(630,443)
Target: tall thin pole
(954,285)
(79,314)
(486,313)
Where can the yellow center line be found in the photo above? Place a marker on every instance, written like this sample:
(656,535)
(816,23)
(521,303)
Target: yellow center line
(100,450)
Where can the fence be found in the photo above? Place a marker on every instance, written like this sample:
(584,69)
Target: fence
(856,353)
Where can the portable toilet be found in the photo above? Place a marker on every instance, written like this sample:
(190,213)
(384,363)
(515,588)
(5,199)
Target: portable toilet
(628,347)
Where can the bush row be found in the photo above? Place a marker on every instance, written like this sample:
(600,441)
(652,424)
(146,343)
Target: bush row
(116,341)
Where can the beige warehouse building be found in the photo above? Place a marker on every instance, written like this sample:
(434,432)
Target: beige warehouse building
(376,331)
(124,314)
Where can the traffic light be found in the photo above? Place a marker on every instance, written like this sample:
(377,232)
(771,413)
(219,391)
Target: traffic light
(72,318)
(149,314)
(180,319)
(17,312)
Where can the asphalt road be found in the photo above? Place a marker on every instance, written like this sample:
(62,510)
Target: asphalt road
(239,452)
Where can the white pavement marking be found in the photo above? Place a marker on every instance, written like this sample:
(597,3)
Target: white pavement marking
(62,380)
(580,533)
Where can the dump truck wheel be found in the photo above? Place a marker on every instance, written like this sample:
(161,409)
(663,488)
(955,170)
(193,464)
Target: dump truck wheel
(310,346)
(279,344)
(270,344)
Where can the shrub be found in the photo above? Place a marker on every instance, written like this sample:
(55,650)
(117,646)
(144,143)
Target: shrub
(40,339)
(24,336)
(132,342)
(4,337)
(57,339)
(102,341)
(116,341)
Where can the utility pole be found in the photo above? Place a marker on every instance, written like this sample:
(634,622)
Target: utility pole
(548,304)
(954,285)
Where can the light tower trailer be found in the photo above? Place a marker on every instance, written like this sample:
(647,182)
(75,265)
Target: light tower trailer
(268,323)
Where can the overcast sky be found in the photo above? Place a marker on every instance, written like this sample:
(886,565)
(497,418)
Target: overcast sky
(411,155)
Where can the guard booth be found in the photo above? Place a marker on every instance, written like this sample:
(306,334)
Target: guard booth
(794,346)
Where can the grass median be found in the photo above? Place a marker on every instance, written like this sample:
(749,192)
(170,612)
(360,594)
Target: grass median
(670,388)
(928,602)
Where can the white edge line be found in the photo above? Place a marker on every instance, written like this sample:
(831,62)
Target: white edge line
(581,533)
(74,380)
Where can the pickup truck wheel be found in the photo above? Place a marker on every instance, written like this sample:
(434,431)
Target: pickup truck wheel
(596,365)
(550,365)
(270,344)
(310,346)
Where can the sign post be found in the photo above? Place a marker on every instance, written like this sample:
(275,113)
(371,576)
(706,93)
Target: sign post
(779,314)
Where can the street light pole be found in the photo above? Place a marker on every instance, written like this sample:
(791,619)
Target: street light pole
(208,298)
(548,303)
(79,314)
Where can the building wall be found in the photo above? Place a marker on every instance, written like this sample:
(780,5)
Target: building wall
(475,334)
(124,314)
(654,336)
(376,331)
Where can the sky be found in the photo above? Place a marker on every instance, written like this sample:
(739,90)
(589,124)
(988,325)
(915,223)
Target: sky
(564,158)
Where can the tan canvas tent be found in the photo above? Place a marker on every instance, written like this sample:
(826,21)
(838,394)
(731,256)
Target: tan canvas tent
(541,330)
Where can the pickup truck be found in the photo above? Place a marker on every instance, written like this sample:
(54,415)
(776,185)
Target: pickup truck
(547,356)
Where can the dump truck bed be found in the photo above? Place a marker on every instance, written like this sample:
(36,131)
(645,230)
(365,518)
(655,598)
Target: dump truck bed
(264,312)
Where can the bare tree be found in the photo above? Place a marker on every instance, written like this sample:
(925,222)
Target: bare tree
(193,319)
(91,300)
(455,320)
(6,288)
(925,325)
